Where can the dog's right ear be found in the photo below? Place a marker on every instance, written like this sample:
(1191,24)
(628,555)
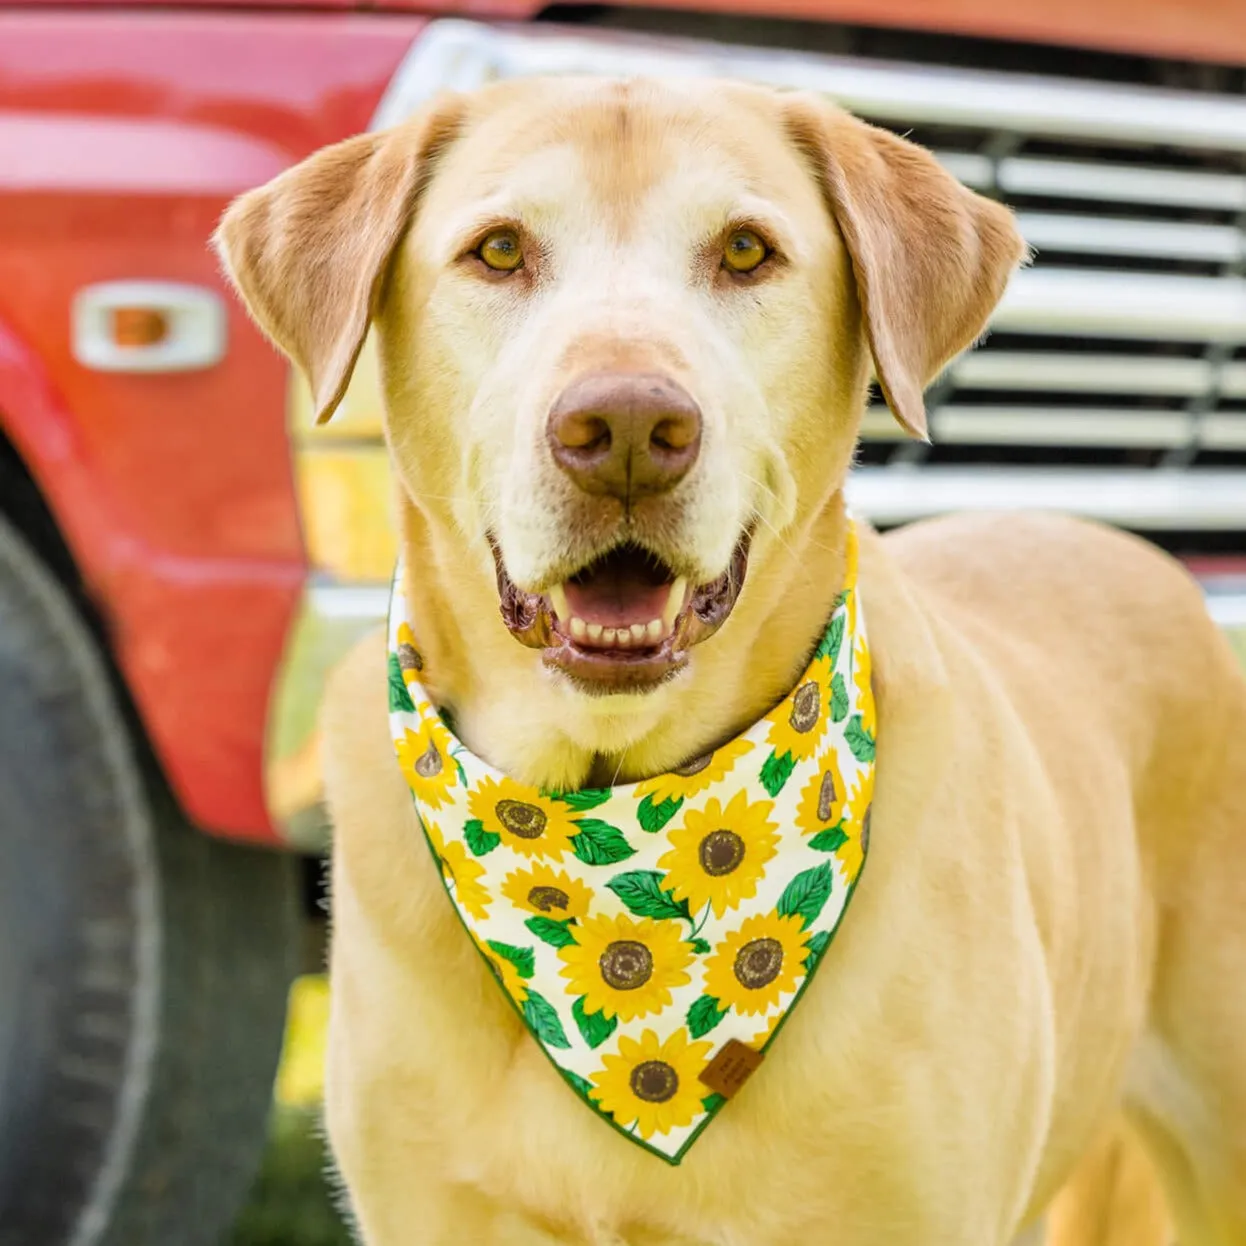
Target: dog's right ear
(308,252)
(930,258)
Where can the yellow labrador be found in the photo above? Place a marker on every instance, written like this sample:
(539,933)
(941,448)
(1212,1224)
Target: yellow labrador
(1053,924)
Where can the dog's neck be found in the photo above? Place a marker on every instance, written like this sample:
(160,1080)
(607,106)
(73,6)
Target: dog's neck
(508,708)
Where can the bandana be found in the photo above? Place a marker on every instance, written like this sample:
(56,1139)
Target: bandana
(655,937)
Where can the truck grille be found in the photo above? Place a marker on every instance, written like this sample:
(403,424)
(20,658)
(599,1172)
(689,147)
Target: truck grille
(1114,381)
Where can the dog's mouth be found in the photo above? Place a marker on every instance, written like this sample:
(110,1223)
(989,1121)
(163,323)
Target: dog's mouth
(626,621)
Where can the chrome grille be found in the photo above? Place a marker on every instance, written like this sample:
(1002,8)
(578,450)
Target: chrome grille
(1114,382)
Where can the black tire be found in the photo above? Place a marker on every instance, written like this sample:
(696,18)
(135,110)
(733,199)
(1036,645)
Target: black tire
(144,967)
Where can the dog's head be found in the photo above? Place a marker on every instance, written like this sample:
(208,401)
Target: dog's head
(625,331)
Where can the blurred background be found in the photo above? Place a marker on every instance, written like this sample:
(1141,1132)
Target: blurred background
(183,557)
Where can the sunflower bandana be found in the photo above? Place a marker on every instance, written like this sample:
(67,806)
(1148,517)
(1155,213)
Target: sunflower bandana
(654,937)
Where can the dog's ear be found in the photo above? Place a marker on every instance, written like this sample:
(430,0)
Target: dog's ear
(308,252)
(930,258)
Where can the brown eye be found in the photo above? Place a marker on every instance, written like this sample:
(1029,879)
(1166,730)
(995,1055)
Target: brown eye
(744,251)
(501,251)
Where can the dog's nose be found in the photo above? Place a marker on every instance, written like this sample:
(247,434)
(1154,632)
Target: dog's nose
(625,434)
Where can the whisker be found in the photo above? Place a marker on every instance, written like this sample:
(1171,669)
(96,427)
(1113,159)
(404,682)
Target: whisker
(815,544)
(779,536)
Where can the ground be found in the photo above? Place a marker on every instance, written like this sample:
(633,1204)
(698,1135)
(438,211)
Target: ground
(291,1203)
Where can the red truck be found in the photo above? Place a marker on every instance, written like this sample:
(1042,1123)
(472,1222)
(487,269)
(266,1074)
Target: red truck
(181,556)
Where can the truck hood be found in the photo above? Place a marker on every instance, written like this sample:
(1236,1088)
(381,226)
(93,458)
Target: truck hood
(1199,30)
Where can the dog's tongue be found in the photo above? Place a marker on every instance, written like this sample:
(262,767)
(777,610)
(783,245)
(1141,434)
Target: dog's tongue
(627,586)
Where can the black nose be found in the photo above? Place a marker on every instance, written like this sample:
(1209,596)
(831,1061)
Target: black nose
(627,435)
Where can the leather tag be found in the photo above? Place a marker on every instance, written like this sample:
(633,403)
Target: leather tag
(731,1068)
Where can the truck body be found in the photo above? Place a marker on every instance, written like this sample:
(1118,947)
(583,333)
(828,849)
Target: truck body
(219,535)
(179,488)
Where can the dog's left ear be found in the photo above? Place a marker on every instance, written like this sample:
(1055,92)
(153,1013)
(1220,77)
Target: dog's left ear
(308,252)
(930,258)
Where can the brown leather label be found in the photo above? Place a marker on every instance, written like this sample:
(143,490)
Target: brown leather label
(731,1068)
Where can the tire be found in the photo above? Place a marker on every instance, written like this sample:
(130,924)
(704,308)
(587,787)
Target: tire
(144,967)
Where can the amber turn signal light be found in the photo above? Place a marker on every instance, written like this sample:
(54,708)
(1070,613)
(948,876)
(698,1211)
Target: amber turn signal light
(139,326)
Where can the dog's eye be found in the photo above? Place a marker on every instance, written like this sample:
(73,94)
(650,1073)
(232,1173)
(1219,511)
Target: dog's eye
(501,251)
(744,251)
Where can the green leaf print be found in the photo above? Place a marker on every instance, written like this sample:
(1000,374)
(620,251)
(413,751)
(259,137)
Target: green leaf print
(399,697)
(775,772)
(711,1103)
(859,740)
(654,817)
(596,1027)
(701,946)
(599,843)
(832,640)
(704,1015)
(581,1084)
(641,891)
(584,800)
(543,1021)
(458,765)
(829,840)
(556,934)
(806,895)
(523,958)
(839,699)
(478,839)
(817,949)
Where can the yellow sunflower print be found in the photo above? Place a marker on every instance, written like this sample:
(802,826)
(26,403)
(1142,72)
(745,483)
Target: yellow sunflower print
(626,967)
(851,852)
(652,1086)
(694,776)
(756,964)
(547,893)
(764,1035)
(719,855)
(528,822)
(424,756)
(515,986)
(410,659)
(822,802)
(863,665)
(460,870)
(799,723)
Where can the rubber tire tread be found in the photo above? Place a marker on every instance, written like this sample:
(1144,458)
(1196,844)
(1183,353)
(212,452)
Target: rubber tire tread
(144,965)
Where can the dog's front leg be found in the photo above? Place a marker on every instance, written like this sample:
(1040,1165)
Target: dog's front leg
(462,1216)
(431,1214)
(421,1212)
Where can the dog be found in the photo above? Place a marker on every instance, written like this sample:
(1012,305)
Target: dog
(630,320)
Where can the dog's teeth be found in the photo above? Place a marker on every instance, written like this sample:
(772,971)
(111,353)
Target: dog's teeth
(579,629)
(675,602)
(558,599)
(608,636)
(595,632)
(655,630)
(638,633)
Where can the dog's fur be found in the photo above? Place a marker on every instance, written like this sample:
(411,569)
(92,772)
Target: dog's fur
(1053,922)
